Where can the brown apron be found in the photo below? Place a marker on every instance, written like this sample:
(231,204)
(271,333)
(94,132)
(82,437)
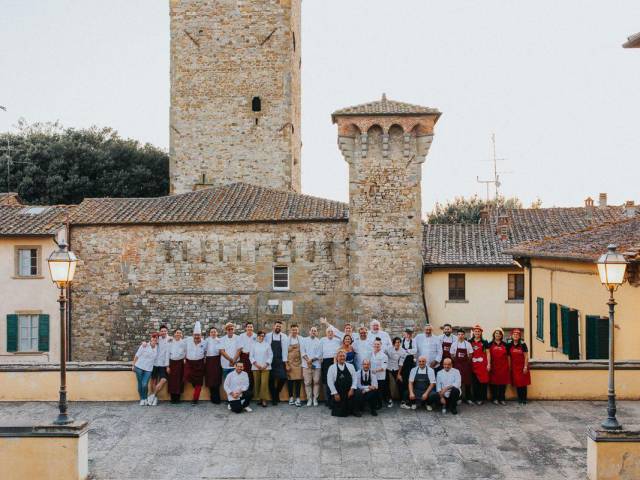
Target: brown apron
(294,359)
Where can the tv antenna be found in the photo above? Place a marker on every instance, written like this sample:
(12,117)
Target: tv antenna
(495,181)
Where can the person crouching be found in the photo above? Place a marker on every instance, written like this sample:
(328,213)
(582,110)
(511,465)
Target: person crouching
(367,391)
(237,387)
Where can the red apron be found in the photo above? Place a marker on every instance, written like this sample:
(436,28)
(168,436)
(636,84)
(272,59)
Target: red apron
(499,374)
(176,370)
(462,362)
(212,371)
(246,366)
(518,377)
(446,349)
(479,361)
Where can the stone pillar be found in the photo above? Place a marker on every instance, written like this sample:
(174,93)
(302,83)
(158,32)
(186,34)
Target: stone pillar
(613,455)
(385,144)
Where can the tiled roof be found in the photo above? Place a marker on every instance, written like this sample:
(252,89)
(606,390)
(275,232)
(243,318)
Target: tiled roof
(10,198)
(31,220)
(587,244)
(238,202)
(633,41)
(463,245)
(386,107)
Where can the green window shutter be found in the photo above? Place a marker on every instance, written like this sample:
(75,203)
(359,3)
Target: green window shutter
(574,335)
(12,333)
(597,338)
(553,324)
(564,319)
(43,333)
(540,318)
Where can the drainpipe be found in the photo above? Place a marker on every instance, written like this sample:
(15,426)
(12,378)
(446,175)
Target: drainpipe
(527,264)
(424,298)
(69,300)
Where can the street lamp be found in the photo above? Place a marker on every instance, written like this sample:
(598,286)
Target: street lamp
(611,267)
(62,266)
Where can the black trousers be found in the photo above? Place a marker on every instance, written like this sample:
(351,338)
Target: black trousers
(175,398)
(275,387)
(522,394)
(467,394)
(433,399)
(238,405)
(214,393)
(479,390)
(498,392)
(392,376)
(383,386)
(452,401)
(294,388)
(326,363)
(367,400)
(345,407)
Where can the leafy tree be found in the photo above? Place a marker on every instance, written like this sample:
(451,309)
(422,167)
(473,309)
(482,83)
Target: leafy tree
(51,165)
(467,210)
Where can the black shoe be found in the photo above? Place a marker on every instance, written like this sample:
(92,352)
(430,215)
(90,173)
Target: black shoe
(274,402)
(357,414)
(194,402)
(374,413)
(454,411)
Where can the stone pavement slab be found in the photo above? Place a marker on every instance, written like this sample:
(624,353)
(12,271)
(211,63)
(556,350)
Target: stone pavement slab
(542,440)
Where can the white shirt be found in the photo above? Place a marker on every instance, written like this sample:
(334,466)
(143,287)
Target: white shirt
(338,333)
(396,358)
(366,388)
(294,340)
(363,350)
(212,346)
(464,344)
(405,346)
(332,374)
(236,382)
(284,341)
(146,357)
(162,357)
(231,346)
(444,379)
(261,354)
(246,341)
(430,347)
(428,370)
(312,348)
(195,352)
(379,360)
(177,349)
(384,338)
(330,346)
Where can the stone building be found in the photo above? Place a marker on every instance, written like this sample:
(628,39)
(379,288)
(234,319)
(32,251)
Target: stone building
(235,94)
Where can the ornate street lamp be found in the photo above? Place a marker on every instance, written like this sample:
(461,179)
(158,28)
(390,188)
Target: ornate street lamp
(611,267)
(62,266)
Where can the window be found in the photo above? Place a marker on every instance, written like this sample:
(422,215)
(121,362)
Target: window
(570,334)
(281,278)
(27,333)
(256,104)
(457,286)
(597,337)
(27,261)
(553,325)
(540,318)
(516,286)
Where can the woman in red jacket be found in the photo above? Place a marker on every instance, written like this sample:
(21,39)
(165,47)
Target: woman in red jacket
(520,376)
(499,376)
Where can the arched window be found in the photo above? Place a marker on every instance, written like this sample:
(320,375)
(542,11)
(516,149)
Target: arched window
(256,104)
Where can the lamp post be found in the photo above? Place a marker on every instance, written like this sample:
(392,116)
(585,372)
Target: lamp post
(611,267)
(62,266)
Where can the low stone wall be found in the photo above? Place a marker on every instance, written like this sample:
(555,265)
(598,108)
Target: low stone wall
(114,381)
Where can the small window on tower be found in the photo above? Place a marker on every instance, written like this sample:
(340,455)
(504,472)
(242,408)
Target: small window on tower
(256,104)
(294,41)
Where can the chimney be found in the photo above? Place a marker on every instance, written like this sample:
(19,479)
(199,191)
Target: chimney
(629,209)
(603,200)
(503,227)
(588,202)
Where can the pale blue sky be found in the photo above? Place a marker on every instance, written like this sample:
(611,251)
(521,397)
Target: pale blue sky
(549,78)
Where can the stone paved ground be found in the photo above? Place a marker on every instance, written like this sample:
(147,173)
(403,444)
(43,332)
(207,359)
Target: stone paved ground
(543,440)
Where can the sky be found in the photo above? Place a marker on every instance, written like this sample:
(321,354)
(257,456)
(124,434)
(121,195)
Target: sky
(549,78)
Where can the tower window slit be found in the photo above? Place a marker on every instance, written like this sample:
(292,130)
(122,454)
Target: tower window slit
(256,104)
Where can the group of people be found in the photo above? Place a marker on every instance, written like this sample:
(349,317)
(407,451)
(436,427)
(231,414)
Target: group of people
(356,371)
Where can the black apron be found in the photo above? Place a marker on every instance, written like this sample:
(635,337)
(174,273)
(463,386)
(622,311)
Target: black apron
(421,383)
(409,363)
(344,380)
(277,365)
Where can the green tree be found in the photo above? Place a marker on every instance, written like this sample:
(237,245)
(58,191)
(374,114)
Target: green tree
(52,165)
(467,210)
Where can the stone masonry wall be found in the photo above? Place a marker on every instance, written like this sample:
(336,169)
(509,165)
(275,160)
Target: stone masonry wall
(223,54)
(131,279)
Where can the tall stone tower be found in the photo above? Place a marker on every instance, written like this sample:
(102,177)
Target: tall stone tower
(385,144)
(235,93)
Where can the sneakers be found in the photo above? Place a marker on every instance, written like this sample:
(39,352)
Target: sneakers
(429,408)
(228,406)
(414,406)
(390,404)
(248,409)
(291,401)
(469,402)
(298,404)
(315,402)
(143,403)
(479,402)
(495,402)
(309,403)
(459,402)
(444,410)
(405,406)
(154,402)
(150,399)
(503,403)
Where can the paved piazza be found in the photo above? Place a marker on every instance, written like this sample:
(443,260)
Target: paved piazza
(544,440)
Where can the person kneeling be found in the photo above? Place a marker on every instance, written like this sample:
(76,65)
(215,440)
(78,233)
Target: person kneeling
(237,387)
(342,382)
(367,389)
(448,383)
(422,385)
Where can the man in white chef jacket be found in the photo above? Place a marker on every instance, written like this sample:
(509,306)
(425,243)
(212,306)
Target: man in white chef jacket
(430,346)
(448,384)
(237,387)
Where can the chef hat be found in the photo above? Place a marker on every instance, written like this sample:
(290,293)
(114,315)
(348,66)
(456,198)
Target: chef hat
(197,328)
(477,325)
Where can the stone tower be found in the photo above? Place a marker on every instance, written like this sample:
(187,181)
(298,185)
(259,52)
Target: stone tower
(385,144)
(235,93)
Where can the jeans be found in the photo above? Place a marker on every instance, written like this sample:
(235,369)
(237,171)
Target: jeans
(142,376)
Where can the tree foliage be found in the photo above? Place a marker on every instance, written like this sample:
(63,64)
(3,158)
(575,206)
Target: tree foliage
(51,165)
(467,210)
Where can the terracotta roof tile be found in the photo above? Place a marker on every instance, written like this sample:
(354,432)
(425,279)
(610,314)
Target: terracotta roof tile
(31,220)
(386,107)
(238,202)
(10,198)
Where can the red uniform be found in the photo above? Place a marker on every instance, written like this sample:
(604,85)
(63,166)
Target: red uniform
(517,352)
(499,374)
(479,361)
